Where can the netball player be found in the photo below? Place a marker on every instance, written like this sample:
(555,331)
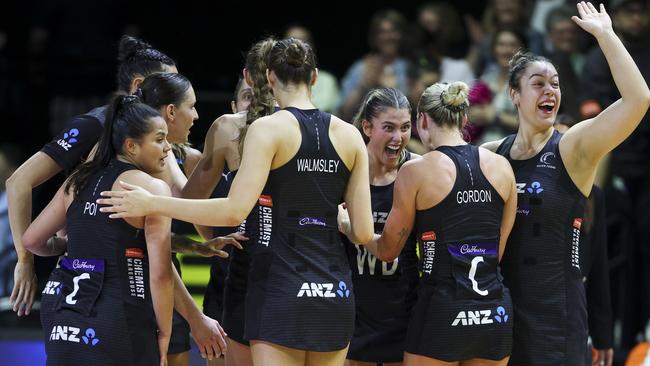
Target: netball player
(384,120)
(555,173)
(173,96)
(137,59)
(299,305)
(462,201)
(110,300)
(217,168)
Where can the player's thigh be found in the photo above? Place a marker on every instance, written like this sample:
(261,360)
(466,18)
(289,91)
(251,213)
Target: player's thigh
(238,354)
(411,359)
(270,354)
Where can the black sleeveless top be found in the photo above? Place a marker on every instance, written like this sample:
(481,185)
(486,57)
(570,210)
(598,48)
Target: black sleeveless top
(541,264)
(363,264)
(380,331)
(104,283)
(306,192)
(301,273)
(460,235)
(91,234)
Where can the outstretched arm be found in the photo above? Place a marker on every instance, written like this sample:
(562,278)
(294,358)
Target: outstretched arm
(259,150)
(209,248)
(587,142)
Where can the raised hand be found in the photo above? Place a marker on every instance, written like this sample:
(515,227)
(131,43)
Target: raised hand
(133,202)
(591,20)
(214,246)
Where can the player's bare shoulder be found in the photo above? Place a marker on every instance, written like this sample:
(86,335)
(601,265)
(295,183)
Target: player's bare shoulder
(144,180)
(496,168)
(491,160)
(493,145)
(228,126)
(343,129)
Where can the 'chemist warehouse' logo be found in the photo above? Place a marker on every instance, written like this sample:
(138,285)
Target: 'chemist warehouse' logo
(69,139)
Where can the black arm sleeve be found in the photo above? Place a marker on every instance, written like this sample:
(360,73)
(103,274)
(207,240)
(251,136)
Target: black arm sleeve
(599,303)
(72,145)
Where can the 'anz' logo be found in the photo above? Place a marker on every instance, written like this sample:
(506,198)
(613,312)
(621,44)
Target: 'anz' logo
(535,188)
(69,139)
(480,317)
(52,288)
(380,217)
(70,334)
(312,289)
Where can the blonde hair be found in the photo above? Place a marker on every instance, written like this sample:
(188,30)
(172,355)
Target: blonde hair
(447,104)
(262,103)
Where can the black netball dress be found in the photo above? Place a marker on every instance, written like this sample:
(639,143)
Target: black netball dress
(384,292)
(236,282)
(300,290)
(463,310)
(541,264)
(96,308)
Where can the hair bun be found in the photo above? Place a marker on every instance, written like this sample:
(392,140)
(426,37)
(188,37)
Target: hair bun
(455,96)
(296,54)
(521,53)
(129,46)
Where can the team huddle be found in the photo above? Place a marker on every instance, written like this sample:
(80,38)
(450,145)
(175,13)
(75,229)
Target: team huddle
(343,246)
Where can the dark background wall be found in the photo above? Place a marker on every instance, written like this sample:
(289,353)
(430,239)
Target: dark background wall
(68,47)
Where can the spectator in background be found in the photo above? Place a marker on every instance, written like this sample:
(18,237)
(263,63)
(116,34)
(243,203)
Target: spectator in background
(438,34)
(500,14)
(422,73)
(629,163)
(481,113)
(505,43)
(567,56)
(383,66)
(541,9)
(325,93)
